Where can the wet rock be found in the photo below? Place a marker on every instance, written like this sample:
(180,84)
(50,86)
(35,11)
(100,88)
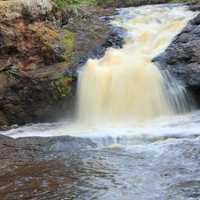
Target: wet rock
(3,137)
(41,48)
(182,57)
(195,7)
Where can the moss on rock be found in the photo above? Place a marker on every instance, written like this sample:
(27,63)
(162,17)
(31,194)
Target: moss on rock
(69,43)
(62,86)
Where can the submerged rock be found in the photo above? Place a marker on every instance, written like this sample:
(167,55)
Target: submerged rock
(3,137)
(40,167)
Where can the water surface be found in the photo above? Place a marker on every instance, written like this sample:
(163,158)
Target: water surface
(147,137)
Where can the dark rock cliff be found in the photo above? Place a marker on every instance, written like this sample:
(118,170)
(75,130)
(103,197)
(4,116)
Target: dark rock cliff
(182,57)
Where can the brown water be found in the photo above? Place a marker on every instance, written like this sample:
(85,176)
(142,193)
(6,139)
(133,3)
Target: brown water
(125,84)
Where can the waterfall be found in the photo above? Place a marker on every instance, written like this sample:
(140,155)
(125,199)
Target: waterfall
(125,85)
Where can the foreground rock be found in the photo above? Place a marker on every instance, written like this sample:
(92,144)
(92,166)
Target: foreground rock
(40,46)
(182,57)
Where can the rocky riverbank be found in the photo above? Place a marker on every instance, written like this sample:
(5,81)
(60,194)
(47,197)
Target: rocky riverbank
(41,45)
(182,57)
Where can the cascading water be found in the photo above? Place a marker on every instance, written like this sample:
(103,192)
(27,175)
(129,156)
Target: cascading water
(124,93)
(125,84)
(122,158)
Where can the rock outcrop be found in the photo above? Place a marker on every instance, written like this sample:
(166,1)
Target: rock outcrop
(40,47)
(182,57)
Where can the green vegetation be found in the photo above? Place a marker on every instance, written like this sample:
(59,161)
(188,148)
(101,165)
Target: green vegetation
(62,86)
(68,42)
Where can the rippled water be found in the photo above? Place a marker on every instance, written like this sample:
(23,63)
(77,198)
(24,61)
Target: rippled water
(159,161)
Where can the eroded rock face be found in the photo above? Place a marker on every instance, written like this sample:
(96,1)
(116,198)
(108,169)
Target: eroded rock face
(182,57)
(29,45)
(41,47)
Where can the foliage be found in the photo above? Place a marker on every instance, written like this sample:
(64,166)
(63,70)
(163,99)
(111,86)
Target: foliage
(62,86)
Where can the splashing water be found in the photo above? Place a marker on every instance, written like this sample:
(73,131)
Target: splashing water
(158,159)
(125,85)
(120,91)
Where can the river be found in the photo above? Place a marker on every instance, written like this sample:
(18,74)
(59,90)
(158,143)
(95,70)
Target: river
(143,121)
